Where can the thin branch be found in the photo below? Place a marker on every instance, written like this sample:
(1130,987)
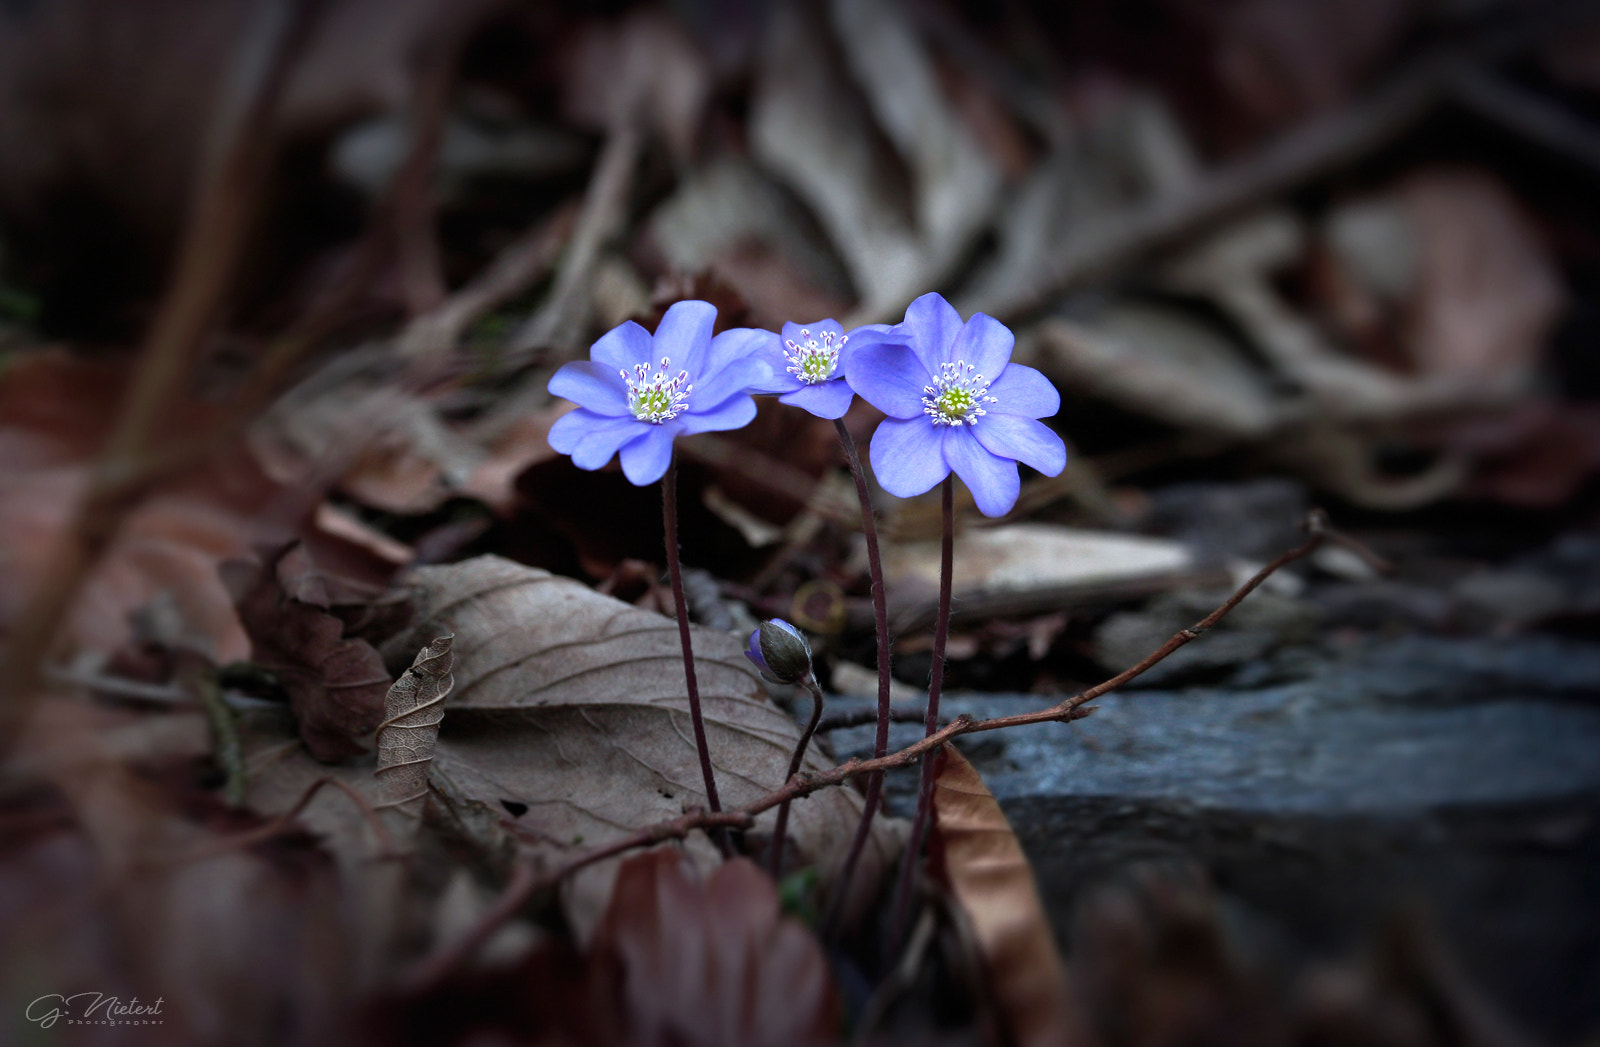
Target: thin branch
(524,887)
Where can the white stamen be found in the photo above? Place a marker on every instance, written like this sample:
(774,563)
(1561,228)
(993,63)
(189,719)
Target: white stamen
(811,361)
(658,397)
(956,396)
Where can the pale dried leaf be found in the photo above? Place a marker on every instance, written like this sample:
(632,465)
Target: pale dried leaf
(1160,363)
(815,130)
(570,714)
(979,860)
(412,711)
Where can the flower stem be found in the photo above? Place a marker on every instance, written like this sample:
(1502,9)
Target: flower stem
(880,615)
(669,523)
(782,827)
(941,633)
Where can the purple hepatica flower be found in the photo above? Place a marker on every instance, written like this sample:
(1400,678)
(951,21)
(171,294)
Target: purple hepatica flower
(808,363)
(956,402)
(638,392)
(780,651)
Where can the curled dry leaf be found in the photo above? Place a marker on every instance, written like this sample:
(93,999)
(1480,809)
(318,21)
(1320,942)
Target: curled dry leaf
(977,857)
(1029,567)
(413,710)
(569,713)
(708,963)
(335,684)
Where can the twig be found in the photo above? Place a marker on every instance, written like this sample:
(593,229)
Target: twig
(1068,709)
(269,829)
(523,885)
(199,678)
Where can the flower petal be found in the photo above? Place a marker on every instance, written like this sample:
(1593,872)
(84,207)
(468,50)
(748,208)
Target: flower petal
(793,332)
(890,377)
(623,346)
(572,427)
(986,344)
(1029,442)
(738,344)
(994,482)
(748,372)
(733,413)
(604,438)
(645,460)
(825,399)
(1023,391)
(590,384)
(906,456)
(684,334)
(931,326)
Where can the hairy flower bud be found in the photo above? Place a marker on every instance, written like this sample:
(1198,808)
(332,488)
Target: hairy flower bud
(780,651)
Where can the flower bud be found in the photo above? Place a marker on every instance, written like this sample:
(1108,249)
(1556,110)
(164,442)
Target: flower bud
(780,652)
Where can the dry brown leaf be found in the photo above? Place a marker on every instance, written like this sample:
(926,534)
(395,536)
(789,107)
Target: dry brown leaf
(54,414)
(569,712)
(899,217)
(708,964)
(977,857)
(336,684)
(413,710)
(138,895)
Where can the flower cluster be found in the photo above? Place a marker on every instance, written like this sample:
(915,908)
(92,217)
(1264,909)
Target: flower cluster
(954,400)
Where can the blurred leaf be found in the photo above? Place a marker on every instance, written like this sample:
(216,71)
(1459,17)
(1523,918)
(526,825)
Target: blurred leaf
(899,218)
(977,857)
(708,964)
(1488,292)
(336,685)
(55,412)
(569,708)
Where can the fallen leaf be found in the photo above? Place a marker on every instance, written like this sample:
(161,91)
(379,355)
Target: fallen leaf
(413,710)
(336,684)
(977,857)
(1027,567)
(1488,292)
(872,145)
(569,711)
(143,894)
(708,964)
(55,412)
(1161,363)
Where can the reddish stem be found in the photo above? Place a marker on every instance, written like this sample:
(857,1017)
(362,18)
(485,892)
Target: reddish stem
(941,633)
(880,615)
(782,826)
(669,523)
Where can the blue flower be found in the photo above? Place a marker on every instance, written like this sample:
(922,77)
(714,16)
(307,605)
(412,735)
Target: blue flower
(780,651)
(956,402)
(809,362)
(638,392)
